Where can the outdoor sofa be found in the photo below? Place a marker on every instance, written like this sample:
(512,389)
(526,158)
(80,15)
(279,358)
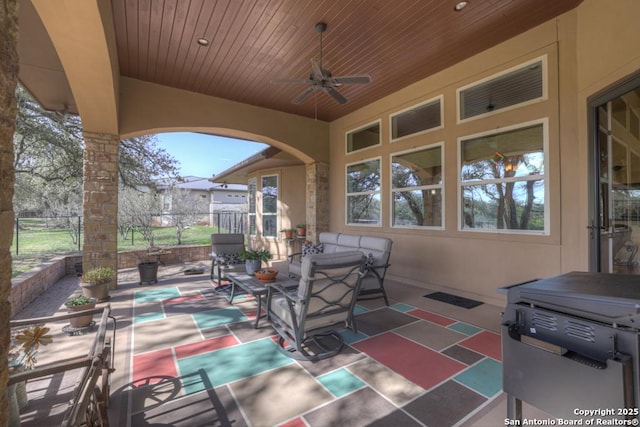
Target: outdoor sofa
(377,251)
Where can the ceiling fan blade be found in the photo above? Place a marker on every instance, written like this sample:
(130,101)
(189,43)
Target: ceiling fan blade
(336,95)
(300,98)
(291,81)
(364,79)
(316,70)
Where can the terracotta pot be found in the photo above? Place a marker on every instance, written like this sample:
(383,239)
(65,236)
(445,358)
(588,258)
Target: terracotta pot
(266,274)
(81,321)
(100,292)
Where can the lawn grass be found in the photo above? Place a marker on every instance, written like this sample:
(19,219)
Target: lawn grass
(38,244)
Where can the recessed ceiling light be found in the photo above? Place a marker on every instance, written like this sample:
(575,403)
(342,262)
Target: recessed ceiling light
(203,42)
(460,5)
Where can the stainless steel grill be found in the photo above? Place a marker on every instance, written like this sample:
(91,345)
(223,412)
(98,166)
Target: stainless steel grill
(572,342)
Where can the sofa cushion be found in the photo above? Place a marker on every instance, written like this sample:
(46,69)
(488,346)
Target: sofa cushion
(311,249)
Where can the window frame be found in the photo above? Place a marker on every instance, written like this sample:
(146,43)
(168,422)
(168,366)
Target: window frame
(262,201)
(441,186)
(545,90)
(359,128)
(439,98)
(545,177)
(252,214)
(347,194)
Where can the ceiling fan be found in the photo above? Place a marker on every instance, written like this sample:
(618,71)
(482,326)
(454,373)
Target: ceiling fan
(322,79)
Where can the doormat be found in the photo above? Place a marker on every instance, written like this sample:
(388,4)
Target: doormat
(453,299)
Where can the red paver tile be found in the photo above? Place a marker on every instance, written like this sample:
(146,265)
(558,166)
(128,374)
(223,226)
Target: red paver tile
(177,300)
(205,346)
(417,363)
(150,368)
(431,317)
(298,422)
(487,343)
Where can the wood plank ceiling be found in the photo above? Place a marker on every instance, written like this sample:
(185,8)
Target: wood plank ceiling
(253,42)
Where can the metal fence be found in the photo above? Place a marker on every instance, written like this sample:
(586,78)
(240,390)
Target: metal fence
(63,234)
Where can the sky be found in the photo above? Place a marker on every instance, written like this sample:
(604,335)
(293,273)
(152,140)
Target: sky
(206,155)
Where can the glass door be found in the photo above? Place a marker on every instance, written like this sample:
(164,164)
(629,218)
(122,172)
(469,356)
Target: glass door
(618,178)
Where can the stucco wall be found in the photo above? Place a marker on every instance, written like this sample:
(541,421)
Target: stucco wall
(579,62)
(291,208)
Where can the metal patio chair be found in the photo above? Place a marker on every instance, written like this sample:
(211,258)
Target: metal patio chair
(308,318)
(225,249)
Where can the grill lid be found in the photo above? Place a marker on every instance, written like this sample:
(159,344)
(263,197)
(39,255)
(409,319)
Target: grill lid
(609,298)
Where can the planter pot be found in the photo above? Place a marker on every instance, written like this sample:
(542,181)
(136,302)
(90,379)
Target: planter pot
(252,265)
(301,232)
(14,409)
(81,321)
(148,272)
(78,268)
(100,292)
(288,234)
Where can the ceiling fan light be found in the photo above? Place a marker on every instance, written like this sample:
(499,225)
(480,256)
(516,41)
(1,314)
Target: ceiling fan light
(460,5)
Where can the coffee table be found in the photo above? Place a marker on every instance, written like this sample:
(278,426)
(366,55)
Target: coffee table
(255,287)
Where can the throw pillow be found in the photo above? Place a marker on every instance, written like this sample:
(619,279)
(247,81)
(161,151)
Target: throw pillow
(311,249)
(232,258)
(369,261)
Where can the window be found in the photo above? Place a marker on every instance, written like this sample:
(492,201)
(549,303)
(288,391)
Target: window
(417,119)
(269,205)
(364,137)
(363,193)
(502,180)
(166,202)
(251,189)
(416,188)
(520,85)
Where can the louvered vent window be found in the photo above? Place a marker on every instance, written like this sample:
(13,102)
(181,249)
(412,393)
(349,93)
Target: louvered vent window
(419,118)
(364,137)
(515,87)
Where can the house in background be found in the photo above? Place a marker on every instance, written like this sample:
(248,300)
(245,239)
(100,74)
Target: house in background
(213,197)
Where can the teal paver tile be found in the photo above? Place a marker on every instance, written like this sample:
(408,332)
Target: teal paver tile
(465,328)
(350,337)
(359,310)
(485,377)
(230,364)
(151,295)
(403,307)
(147,317)
(221,316)
(340,382)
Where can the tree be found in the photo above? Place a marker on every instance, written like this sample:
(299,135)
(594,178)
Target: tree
(139,209)
(49,157)
(185,207)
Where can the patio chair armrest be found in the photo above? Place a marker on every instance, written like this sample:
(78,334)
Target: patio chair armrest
(287,293)
(292,256)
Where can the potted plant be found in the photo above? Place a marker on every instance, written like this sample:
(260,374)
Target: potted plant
(254,258)
(96,282)
(148,265)
(301,230)
(80,303)
(288,232)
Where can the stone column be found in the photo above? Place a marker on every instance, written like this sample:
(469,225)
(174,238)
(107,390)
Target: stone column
(8,81)
(100,201)
(317,202)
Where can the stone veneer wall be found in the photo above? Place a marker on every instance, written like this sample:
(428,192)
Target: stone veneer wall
(174,255)
(8,80)
(317,202)
(28,286)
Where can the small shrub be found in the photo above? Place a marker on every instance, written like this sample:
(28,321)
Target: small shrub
(78,300)
(98,276)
